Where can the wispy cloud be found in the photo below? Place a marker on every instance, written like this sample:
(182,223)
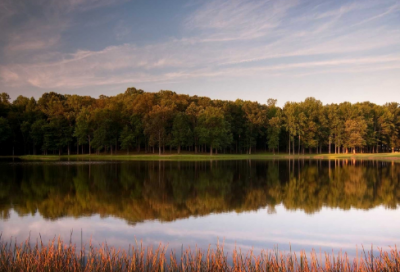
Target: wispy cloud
(42,26)
(392,9)
(7,9)
(76,5)
(219,38)
(223,20)
(131,65)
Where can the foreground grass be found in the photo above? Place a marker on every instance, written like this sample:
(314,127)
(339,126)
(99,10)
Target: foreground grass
(204,156)
(58,256)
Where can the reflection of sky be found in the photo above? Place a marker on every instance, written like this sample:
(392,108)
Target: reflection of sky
(330,229)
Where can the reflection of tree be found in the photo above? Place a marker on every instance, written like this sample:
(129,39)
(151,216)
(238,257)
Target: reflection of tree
(138,191)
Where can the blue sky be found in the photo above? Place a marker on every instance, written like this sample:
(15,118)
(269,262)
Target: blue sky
(254,50)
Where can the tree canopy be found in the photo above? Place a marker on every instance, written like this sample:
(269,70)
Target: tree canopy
(140,121)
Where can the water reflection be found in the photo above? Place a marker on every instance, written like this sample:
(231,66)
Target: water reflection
(166,191)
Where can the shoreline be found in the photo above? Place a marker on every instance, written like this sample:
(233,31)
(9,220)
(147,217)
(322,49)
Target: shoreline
(206,157)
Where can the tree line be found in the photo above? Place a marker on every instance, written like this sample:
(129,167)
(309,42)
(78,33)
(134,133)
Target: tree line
(138,121)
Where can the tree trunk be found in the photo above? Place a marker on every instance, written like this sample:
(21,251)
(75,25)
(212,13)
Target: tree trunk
(299,146)
(77,149)
(69,150)
(90,148)
(159,143)
(289,144)
(329,145)
(250,150)
(211,151)
(179,149)
(293,147)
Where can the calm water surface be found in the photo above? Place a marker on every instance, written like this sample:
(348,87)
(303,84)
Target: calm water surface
(302,204)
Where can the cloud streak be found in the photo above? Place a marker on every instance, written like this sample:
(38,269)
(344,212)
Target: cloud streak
(133,65)
(226,39)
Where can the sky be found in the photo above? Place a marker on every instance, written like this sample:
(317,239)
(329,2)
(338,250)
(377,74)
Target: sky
(334,50)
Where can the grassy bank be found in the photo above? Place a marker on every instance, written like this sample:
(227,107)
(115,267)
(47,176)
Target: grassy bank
(202,157)
(58,256)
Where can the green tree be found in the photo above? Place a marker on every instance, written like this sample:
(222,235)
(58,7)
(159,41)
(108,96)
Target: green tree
(274,126)
(37,134)
(106,129)
(137,118)
(5,130)
(4,104)
(256,118)
(310,123)
(290,121)
(355,130)
(335,126)
(181,132)
(156,124)
(213,130)
(131,134)
(192,112)
(84,128)
(390,125)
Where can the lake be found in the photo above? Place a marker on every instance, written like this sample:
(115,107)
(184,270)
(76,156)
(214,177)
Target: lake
(287,204)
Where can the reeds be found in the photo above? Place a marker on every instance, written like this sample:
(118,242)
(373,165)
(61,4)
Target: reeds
(59,256)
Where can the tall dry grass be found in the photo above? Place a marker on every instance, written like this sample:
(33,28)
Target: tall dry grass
(59,256)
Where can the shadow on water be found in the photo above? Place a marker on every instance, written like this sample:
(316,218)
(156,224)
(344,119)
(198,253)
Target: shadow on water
(167,190)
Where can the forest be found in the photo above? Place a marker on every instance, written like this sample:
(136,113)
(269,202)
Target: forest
(142,122)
